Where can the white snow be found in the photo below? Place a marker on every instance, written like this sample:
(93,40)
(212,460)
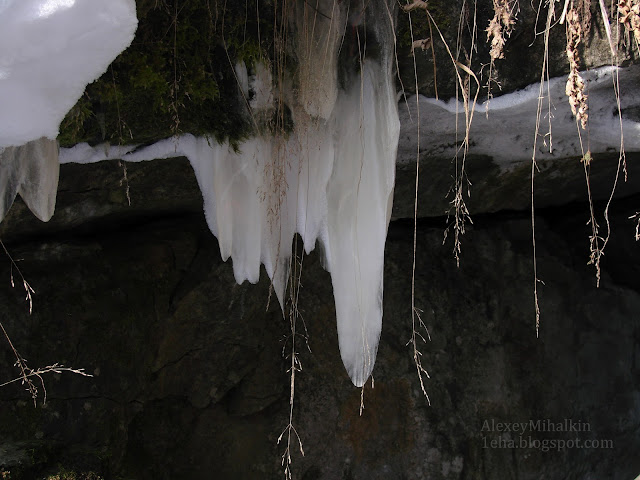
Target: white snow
(49,51)
(507,133)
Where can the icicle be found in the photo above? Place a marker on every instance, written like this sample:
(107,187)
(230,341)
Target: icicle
(360,195)
(32,171)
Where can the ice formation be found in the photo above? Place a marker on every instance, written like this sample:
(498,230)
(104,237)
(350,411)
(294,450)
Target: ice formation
(330,180)
(360,196)
(49,51)
(32,171)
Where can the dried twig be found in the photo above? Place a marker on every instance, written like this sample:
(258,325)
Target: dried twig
(26,373)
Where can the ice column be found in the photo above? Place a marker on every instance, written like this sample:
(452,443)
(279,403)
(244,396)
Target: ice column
(360,195)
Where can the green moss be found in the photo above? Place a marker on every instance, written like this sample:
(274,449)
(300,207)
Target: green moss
(177,75)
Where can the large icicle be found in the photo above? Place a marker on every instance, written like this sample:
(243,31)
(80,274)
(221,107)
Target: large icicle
(360,194)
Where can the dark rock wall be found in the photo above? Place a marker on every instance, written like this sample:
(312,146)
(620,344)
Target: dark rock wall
(189,378)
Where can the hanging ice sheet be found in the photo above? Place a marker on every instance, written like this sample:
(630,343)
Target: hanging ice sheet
(330,179)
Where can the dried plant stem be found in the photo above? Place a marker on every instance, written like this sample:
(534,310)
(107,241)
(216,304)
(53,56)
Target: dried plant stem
(499,29)
(544,79)
(416,321)
(26,373)
(575,88)
(501,26)
(295,366)
(27,288)
(629,16)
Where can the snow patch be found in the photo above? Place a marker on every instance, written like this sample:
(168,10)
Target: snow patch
(504,127)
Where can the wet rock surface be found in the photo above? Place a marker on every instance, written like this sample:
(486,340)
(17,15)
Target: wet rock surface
(189,378)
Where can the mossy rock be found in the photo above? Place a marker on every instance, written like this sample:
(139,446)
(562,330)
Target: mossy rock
(177,76)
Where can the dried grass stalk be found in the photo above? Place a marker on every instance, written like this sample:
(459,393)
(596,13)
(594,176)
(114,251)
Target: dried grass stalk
(629,16)
(501,26)
(575,84)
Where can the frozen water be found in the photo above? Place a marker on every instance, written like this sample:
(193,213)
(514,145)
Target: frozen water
(32,171)
(360,194)
(49,51)
(330,180)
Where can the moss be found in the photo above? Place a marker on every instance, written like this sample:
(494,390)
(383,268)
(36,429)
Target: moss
(177,75)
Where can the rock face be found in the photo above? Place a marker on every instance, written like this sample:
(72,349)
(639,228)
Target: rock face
(189,380)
